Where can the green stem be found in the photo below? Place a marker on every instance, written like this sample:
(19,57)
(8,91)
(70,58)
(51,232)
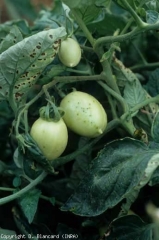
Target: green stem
(137,19)
(115,95)
(112,105)
(124,37)
(78,71)
(99,51)
(83,26)
(24,190)
(145,65)
(139,106)
(7,189)
(107,72)
(140,53)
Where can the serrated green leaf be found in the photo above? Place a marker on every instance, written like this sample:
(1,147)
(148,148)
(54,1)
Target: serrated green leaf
(120,168)
(89,13)
(29,203)
(130,227)
(134,93)
(22,64)
(152,17)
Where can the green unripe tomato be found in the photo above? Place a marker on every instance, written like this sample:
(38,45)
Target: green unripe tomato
(69,52)
(51,137)
(84,114)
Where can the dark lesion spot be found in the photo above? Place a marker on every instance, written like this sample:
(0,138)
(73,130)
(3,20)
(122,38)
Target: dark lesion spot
(38,47)
(51,36)
(32,55)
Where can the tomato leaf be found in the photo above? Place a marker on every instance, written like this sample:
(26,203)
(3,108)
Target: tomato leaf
(155,128)
(134,93)
(152,85)
(123,74)
(130,227)
(29,203)
(122,167)
(81,164)
(152,17)
(22,64)
(13,37)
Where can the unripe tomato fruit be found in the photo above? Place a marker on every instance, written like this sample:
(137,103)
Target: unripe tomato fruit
(51,137)
(69,52)
(84,114)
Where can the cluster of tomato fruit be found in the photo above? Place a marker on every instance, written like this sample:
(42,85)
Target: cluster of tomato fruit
(83,113)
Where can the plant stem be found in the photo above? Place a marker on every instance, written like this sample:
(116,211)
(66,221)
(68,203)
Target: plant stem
(7,189)
(83,26)
(115,95)
(145,65)
(137,19)
(23,190)
(99,51)
(140,54)
(124,37)
(139,106)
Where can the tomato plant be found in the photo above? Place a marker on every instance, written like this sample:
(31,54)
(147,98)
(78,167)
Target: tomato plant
(90,68)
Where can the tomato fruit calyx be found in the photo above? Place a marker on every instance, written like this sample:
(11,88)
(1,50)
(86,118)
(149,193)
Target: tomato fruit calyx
(69,52)
(51,112)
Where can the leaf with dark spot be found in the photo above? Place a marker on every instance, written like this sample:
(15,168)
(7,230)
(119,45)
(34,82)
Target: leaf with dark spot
(20,63)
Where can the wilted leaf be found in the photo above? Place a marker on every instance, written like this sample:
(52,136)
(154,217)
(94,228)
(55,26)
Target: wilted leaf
(29,203)
(122,167)
(130,227)
(22,64)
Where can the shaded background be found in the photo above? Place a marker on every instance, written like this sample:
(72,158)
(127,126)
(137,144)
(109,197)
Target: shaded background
(28,9)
